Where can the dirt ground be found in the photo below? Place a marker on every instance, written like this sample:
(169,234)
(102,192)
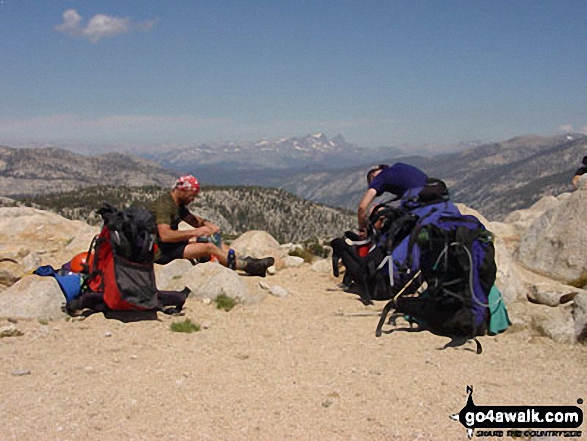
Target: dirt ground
(284,368)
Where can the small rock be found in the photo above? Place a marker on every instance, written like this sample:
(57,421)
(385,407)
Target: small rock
(10,331)
(108,334)
(206,301)
(278,291)
(264,285)
(206,325)
(271,270)
(21,372)
(293,262)
(322,266)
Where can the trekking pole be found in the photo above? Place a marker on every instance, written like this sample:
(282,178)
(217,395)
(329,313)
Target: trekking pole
(407,284)
(391,304)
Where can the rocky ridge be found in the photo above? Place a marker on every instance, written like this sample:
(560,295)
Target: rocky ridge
(235,209)
(48,170)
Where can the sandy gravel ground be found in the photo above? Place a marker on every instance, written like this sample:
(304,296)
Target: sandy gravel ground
(285,368)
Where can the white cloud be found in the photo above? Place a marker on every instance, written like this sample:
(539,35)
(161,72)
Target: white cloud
(99,26)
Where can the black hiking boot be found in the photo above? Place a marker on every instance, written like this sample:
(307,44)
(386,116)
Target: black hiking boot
(258,267)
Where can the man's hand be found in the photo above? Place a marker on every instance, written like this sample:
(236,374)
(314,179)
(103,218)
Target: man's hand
(213,229)
(201,231)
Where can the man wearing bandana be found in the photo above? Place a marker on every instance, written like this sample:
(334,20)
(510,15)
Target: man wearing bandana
(195,243)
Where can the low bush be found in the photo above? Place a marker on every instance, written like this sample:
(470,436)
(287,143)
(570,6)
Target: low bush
(186,326)
(225,302)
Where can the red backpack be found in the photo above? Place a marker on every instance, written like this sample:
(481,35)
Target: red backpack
(122,276)
(122,269)
(124,284)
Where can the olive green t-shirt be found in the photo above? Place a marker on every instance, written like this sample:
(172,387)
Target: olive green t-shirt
(166,212)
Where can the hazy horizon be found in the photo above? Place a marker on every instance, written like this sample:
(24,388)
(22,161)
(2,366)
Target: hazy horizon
(425,149)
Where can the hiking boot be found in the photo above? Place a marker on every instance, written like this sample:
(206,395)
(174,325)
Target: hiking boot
(257,267)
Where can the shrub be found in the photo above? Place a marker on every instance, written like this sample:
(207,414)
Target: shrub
(186,326)
(225,302)
(317,250)
(303,253)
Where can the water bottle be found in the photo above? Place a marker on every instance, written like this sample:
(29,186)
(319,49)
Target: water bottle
(231,259)
(216,239)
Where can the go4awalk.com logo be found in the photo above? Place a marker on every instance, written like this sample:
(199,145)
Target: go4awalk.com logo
(506,421)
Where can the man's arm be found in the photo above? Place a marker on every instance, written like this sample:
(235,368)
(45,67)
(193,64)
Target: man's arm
(168,235)
(202,224)
(369,196)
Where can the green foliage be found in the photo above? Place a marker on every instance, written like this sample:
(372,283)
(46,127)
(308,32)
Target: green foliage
(186,326)
(82,203)
(316,248)
(303,253)
(225,302)
(311,248)
(236,210)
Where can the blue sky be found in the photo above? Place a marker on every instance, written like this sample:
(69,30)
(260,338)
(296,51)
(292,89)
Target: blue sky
(378,72)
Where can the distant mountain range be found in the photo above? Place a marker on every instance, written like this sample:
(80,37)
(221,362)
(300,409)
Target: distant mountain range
(268,160)
(493,178)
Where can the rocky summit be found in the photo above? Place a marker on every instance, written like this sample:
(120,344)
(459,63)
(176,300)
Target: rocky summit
(296,357)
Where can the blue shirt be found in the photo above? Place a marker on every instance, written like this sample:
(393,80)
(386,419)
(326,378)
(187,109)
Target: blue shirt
(398,178)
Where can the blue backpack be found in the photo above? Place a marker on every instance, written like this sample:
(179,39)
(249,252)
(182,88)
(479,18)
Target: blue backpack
(435,265)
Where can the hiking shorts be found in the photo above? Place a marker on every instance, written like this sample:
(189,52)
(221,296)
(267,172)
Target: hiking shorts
(169,251)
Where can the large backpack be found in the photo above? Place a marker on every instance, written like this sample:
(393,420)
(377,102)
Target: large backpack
(438,265)
(387,264)
(122,276)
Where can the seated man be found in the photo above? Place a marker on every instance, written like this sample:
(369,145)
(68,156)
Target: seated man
(170,209)
(396,179)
